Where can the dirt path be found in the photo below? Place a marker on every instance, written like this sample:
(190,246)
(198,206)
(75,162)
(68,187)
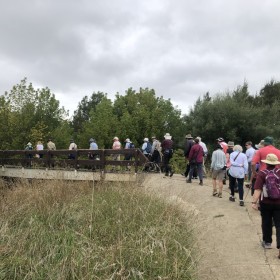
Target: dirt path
(229,235)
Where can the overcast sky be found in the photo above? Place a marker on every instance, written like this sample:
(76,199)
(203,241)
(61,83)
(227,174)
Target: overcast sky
(180,48)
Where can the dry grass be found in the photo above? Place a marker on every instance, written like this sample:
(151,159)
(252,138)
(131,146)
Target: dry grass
(68,230)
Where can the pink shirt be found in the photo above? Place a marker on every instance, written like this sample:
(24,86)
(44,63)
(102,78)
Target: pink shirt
(117,145)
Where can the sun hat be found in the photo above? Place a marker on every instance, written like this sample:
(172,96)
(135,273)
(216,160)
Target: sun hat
(127,140)
(146,139)
(220,139)
(230,143)
(260,145)
(271,159)
(167,136)
(91,140)
(268,140)
(29,144)
(116,138)
(153,137)
(188,136)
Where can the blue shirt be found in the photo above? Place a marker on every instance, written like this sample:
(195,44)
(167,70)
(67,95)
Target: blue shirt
(93,146)
(250,154)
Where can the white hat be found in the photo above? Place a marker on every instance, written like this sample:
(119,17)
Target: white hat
(146,139)
(127,140)
(116,138)
(271,159)
(167,136)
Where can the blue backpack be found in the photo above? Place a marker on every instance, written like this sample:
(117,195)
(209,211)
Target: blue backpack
(131,146)
(148,148)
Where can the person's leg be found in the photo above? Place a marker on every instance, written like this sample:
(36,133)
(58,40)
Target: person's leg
(192,166)
(240,183)
(195,171)
(276,219)
(249,171)
(200,172)
(232,181)
(166,163)
(203,167)
(266,214)
(220,177)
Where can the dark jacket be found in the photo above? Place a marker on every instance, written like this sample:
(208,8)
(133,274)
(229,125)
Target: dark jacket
(188,144)
(196,153)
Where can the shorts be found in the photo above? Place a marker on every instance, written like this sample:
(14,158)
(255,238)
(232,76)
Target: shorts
(218,174)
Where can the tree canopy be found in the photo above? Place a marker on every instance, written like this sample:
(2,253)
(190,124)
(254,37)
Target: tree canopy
(28,115)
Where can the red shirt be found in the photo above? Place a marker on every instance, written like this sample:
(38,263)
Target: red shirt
(262,153)
(261,181)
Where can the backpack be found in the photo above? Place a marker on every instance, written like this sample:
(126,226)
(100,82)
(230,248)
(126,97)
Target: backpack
(131,146)
(272,184)
(148,148)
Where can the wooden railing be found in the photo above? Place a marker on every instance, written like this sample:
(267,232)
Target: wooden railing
(77,159)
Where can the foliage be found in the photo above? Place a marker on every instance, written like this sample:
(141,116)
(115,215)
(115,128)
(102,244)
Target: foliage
(59,230)
(28,114)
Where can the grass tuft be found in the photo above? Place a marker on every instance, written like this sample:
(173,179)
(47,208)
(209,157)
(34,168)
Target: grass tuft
(70,230)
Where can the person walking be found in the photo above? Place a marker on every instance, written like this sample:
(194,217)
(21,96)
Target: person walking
(263,152)
(205,153)
(167,148)
(237,172)
(187,147)
(147,148)
(51,147)
(72,147)
(269,205)
(196,160)
(218,169)
(250,152)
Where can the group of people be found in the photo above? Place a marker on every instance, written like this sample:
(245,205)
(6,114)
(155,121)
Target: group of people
(260,167)
(40,147)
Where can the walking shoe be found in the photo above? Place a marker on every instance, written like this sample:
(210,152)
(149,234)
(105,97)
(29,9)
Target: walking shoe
(166,174)
(188,181)
(201,183)
(241,203)
(171,174)
(224,181)
(266,245)
(219,195)
(231,198)
(215,193)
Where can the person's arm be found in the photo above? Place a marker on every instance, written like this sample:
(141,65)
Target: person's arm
(254,161)
(213,160)
(258,190)
(255,199)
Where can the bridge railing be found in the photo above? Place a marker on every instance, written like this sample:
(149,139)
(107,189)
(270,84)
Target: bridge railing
(77,159)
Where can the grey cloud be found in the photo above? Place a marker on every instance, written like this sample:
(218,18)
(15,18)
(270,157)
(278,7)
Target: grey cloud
(182,49)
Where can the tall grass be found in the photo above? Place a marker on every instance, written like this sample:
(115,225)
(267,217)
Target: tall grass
(60,230)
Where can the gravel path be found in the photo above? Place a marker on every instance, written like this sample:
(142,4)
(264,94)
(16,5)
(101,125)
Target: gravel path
(229,235)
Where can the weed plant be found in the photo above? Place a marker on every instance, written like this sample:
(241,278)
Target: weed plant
(70,230)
